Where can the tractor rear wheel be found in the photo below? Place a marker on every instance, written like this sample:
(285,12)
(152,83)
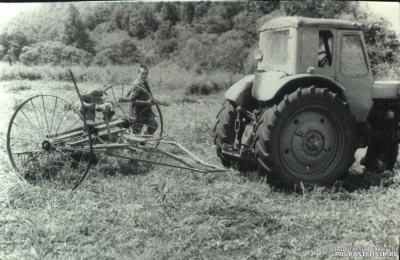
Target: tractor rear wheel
(308,137)
(224,131)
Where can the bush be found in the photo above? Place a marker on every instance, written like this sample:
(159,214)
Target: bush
(250,65)
(207,87)
(150,58)
(231,56)
(55,53)
(30,56)
(192,54)
(103,58)
(116,48)
(50,52)
(198,88)
(166,47)
(385,71)
(190,100)
(30,75)
(73,56)
(18,87)
(208,52)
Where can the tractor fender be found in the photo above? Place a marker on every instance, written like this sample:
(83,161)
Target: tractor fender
(240,92)
(268,87)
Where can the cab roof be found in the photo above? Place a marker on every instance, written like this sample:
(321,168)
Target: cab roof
(296,22)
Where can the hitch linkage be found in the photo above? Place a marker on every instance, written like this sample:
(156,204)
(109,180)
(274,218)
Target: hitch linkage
(237,149)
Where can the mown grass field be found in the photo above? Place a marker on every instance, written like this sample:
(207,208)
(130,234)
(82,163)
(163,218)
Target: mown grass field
(156,212)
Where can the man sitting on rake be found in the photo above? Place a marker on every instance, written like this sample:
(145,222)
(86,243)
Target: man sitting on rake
(96,100)
(141,100)
(93,100)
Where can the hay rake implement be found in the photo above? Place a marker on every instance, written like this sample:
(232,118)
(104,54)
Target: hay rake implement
(50,141)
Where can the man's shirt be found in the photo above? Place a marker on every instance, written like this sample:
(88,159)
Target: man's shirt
(140,91)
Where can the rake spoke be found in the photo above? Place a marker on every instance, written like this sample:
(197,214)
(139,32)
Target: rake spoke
(37,155)
(70,127)
(54,112)
(32,146)
(116,101)
(45,116)
(26,131)
(144,110)
(34,109)
(69,169)
(29,120)
(23,139)
(66,111)
(69,157)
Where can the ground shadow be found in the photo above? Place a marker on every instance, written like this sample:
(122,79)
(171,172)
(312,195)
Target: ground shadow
(358,178)
(364,180)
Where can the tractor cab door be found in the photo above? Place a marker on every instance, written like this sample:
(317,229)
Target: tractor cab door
(354,73)
(318,51)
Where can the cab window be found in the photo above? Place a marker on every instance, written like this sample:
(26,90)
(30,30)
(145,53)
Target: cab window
(352,61)
(274,46)
(317,48)
(325,49)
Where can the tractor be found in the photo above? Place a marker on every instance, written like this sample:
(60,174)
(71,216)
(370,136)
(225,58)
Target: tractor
(310,105)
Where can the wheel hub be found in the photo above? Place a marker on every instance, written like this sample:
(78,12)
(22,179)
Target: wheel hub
(313,143)
(46,146)
(308,142)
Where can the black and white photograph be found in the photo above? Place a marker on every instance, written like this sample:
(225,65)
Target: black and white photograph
(200,130)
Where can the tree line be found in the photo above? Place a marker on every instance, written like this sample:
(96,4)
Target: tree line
(196,35)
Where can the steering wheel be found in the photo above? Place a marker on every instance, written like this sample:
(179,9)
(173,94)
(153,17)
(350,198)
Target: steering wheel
(322,62)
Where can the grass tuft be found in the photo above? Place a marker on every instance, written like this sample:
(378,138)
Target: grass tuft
(15,88)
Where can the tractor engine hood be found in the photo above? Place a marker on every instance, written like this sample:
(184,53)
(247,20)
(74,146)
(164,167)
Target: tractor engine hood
(386,90)
(240,92)
(259,87)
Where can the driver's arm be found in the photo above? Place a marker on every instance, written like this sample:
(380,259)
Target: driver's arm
(135,97)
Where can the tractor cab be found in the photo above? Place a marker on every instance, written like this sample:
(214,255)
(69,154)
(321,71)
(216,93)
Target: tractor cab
(329,49)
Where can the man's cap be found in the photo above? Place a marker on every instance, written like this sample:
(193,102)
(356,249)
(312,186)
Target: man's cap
(95,92)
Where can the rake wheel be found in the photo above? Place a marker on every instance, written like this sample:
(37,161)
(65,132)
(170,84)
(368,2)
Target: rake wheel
(47,144)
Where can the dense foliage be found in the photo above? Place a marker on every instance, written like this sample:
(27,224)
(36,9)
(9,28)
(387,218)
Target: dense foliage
(197,35)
